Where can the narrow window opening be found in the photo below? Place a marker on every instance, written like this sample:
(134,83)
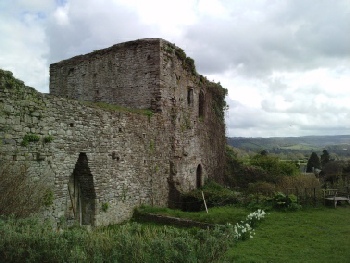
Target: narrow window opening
(201,105)
(71,71)
(115,156)
(199,180)
(190,97)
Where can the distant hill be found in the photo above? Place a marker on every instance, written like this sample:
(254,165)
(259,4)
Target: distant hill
(339,144)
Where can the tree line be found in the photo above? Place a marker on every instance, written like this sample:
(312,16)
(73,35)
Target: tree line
(328,169)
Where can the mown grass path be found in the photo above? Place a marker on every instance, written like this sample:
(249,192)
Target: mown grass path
(312,235)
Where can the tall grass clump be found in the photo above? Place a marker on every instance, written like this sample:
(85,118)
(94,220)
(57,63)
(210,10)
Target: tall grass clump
(30,240)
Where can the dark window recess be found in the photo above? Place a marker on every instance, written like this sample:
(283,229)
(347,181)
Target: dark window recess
(201,103)
(190,97)
(70,71)
(120,130)
(199,176)
(71,124)
(115,156)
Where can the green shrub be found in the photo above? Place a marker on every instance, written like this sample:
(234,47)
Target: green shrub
(273,167)
(285,202)
(256,201)
(30,137)
(180,54)
(264,188)
(189,64)
(48,197)
(298,182)
(105,207)
(214,193)
(48,139)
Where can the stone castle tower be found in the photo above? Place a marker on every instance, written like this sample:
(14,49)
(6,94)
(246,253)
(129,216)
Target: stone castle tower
(131,124)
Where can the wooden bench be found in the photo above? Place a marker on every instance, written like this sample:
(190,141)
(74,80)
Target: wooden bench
(335,196)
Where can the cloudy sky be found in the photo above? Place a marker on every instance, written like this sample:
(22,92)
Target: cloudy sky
(285,63)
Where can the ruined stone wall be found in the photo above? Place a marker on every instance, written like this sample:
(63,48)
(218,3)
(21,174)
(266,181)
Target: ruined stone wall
(125,74)
(127,153)
(154,74)
(188,100)
(102,160)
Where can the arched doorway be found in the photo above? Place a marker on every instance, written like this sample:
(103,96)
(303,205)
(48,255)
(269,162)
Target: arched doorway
(199,180)
(82,192)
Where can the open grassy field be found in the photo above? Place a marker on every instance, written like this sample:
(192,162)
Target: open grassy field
(311,235)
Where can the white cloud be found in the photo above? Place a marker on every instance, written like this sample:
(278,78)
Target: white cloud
(24,46)
(61,15)
(285,63)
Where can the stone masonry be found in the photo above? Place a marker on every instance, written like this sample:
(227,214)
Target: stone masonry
(104,160)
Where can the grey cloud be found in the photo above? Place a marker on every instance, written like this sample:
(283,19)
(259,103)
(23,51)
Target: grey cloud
(246,121)
(94,27)
(288,37)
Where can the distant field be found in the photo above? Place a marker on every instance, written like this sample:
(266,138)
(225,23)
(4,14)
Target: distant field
(339,144)
(301,147)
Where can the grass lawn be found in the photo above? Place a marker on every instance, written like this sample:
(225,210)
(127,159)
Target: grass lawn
(312,235)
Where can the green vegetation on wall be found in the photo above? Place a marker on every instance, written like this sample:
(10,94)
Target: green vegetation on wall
(105,207)
(29,137)
(187,62)
(48,139)
(219,103)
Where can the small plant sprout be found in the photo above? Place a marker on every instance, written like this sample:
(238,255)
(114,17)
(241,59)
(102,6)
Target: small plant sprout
(105,207)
